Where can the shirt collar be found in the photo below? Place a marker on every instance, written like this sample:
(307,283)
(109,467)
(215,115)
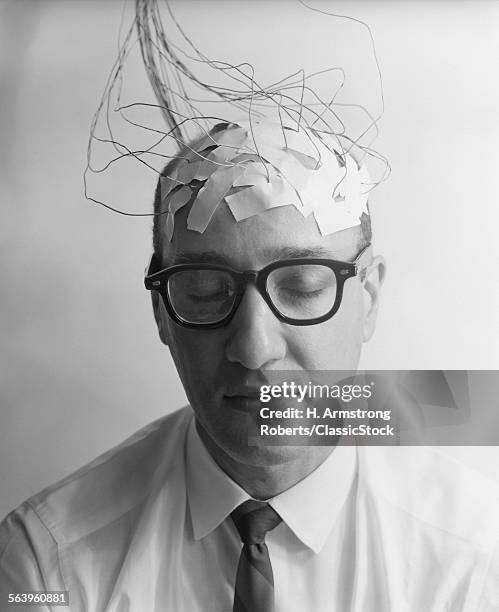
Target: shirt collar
(213,495)
(311,507)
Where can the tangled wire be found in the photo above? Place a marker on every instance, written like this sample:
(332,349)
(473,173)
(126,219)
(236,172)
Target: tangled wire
(181,94)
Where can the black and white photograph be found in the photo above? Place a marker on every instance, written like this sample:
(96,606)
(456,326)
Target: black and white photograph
(249,329)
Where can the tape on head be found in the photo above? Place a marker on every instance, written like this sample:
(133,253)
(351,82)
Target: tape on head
(253,168)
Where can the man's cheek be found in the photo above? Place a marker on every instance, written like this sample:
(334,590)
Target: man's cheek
(197,357)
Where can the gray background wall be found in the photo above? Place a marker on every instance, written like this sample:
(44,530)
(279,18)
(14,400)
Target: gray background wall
(81,366)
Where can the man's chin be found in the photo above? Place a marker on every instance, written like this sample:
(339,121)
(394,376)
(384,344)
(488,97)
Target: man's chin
(240,444)
(252,451)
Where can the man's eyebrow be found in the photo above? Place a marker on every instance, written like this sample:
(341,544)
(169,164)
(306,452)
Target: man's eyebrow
(271,254)
(296,253)
(205,257)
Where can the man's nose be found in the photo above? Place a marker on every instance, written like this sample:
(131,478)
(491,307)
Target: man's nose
(255,334)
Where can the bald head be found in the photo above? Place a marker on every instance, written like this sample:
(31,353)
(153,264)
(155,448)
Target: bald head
(251,170)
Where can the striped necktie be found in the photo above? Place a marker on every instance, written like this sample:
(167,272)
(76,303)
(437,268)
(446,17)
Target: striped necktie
(254,591)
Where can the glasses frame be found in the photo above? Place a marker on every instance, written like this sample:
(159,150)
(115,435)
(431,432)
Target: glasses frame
(343,270)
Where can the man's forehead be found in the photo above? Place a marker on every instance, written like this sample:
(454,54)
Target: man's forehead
(280,233)
(224,256)
(252,169)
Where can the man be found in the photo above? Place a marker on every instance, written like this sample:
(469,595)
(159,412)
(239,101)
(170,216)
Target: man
(187,515)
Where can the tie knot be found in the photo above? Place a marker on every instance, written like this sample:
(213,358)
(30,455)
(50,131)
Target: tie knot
(253,519)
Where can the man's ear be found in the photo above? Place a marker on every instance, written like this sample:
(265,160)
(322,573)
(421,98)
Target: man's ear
(160,316)
(375,275)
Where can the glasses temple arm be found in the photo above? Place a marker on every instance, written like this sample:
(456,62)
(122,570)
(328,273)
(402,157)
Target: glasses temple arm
(362,262)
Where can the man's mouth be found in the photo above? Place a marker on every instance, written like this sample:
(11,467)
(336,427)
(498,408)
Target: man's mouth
(244,398)
(244,393)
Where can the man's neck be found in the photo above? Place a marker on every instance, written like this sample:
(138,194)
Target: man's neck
(267,481)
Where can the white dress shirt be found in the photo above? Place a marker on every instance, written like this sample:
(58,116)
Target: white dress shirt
(146,528)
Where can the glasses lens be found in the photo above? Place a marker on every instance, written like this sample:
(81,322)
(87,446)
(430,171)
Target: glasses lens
(303,292)
(202,296)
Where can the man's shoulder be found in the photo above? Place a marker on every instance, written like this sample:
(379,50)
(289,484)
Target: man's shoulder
(115,482)
(435,489)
